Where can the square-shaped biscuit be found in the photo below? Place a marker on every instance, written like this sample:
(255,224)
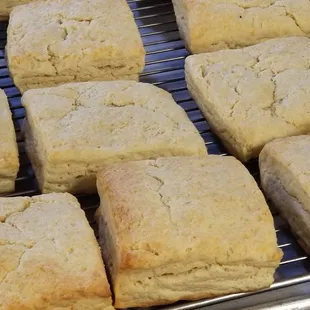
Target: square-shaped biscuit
(7,5)
(253,95)
(49,258)
(284,168)
(73,129)
(213,25)
(53,42)
(9,163)
(184,228)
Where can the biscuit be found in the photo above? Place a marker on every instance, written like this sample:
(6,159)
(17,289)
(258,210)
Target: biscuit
(213,25)
(9,162)
(49,258)
(60,41)
(253,95)
(284,168)
(184,228)
(73,129)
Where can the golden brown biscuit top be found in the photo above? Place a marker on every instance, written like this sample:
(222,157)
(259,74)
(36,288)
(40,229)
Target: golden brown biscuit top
(98,121)
(48,253)
(186,209)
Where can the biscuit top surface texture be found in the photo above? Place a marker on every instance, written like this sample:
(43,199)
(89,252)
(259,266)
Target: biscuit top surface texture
(289,160)
(186,209)
(205,22)
(8,146)
(101,119)
(292,151)
(264,89)
(48,34)
(48,252)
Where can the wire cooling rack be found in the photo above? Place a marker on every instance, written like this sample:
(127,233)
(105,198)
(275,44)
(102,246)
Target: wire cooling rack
(165,68)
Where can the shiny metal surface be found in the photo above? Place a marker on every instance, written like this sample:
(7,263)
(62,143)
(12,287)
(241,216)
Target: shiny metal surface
(165,68)
(297,303)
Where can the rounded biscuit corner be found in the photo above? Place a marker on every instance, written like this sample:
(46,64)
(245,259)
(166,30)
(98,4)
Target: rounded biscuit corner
(190,59)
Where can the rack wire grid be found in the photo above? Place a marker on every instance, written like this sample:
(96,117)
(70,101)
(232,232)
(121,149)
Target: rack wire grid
(164,68)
